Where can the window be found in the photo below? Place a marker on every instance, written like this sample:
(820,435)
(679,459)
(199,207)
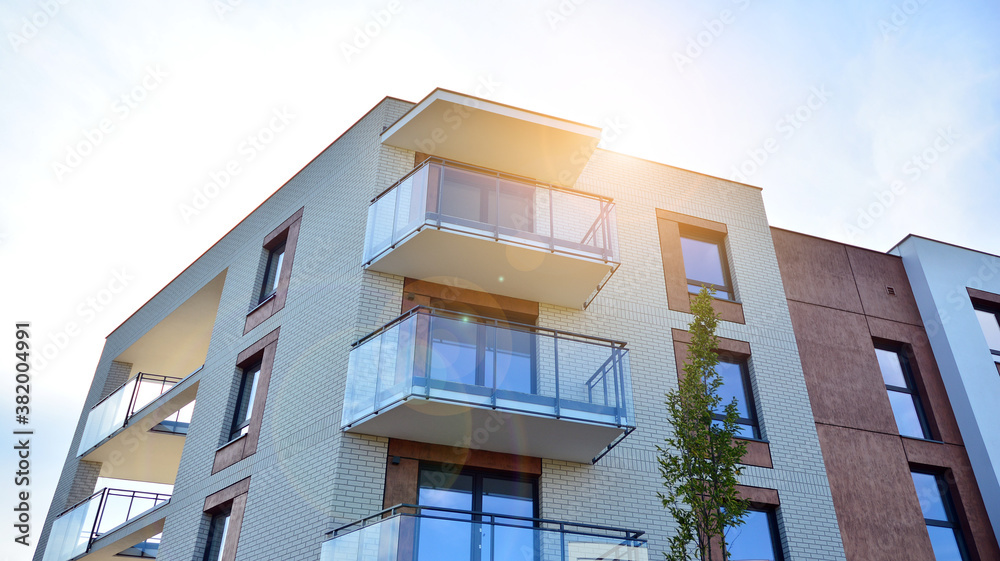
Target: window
(224,510)
(757,539)
(989,321)
(906,408)
(736,385)
(466,352)
(272,272)
(460,532)
(217,531)
(244,401)
(275,269)
(705,264)
(939,515)
(242,431)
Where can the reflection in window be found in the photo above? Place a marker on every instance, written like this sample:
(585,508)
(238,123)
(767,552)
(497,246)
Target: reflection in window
(244,401)
(272,271)
(705,264)
(990,323)
(463,535)
(939,515)
(736,385)
(756,540)
(217,531)
(906,407)
(467,352)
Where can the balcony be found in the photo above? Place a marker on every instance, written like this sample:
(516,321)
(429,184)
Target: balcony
(458,380)
(75,531)
(495,233)
(413,533)
(137,431)
(481,132)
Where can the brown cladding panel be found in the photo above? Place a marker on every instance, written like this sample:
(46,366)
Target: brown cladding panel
(873,272)
(841,370)
(877,508)
(931,388)
(460,457)
(401,482)
(953,464)
(816,271)
(424,293)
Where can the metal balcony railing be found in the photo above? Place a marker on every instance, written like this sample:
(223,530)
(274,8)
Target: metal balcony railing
(421,533)
(471,360)
(114,411)
(493,205)
(74,531)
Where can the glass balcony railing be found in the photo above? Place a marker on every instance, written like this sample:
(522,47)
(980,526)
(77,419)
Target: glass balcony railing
(414,533)
(476,361)
(492,205)
(75,530)
(114,411)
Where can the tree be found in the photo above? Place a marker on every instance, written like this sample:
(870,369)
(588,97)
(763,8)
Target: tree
(700,462)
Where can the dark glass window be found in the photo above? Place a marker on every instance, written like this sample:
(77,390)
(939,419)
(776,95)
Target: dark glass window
(466,352)
(736,385)
(217,531)
(244,401)
(906,407)
(705,264)
(939,515)
(459,532)
(989,321)
(755,540)
(272,271)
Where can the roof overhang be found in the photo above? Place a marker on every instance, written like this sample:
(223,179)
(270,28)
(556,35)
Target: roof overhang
(468,129)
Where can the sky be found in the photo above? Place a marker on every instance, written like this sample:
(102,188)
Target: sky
(863,121)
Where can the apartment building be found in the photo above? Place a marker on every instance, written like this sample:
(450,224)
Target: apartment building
(449,337)
(898,465)
(957,291)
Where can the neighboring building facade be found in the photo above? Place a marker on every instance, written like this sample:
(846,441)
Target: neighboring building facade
(900,476)
(958,293)
(466,307)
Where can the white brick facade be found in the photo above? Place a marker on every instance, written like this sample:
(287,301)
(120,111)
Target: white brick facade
(308,476)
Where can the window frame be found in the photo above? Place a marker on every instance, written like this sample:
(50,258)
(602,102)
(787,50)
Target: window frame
(221,543)
(267,303)
(773,530)
(230,502)
(900,350)
(951,513)
(720,244)
(751,405)
(240,427)
(272,267)
(980,308)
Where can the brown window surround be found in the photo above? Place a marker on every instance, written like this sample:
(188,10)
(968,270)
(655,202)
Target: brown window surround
(288,234)
(246,445)
(233,499)
(424,293)
(403,466)
(671,226)
(758,451)
(759,498)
